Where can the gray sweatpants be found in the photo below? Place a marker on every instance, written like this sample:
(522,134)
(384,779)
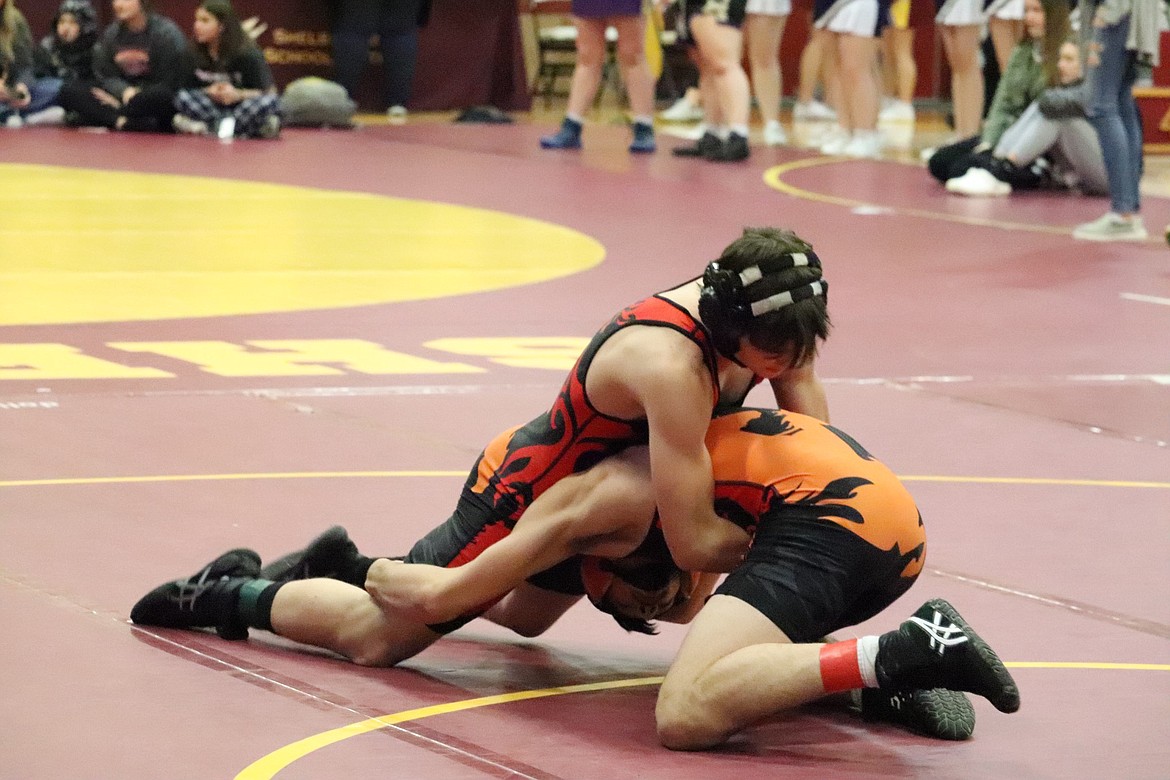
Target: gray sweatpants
(1072,143)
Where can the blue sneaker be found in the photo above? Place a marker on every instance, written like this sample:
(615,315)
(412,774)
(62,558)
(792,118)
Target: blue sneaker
(643,139)
(568,137)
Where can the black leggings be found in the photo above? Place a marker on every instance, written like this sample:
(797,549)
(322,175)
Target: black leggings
(151,110)
(958,158)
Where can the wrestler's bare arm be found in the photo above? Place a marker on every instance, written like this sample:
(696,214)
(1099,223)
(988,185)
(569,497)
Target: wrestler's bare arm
(605,511)
(685,610)
(674,388)
(800,390)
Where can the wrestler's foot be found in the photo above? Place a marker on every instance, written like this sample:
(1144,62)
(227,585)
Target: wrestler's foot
(936,648)
(205,599)
(936,712)
(329,555)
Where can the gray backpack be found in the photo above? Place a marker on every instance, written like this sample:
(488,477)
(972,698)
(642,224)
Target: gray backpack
(316,102)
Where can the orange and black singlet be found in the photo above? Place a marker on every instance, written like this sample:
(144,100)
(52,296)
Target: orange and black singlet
(522,463)
(837,536)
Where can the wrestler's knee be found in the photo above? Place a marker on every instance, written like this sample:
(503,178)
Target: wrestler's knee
(682,721)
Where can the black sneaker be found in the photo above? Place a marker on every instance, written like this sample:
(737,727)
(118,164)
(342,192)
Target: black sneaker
(329,555)
(205,599)
(707,145)
(937,712)
(936,648)
(734,149)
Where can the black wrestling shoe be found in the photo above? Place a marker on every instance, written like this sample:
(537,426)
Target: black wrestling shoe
(206,599)
(329,555)
(734,149)
(707,145)
(936,648)
(936,712)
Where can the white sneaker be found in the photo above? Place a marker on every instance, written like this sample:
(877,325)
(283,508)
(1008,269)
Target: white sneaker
(978,183)
(14,122)
(774,134)
(53,115)
(896,111)
(813,111)
(683,110)
(1112,227)
(185,124)
(863,144)
(396,115)
(835,141)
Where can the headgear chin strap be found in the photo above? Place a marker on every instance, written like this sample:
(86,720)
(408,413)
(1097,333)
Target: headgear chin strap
(727,306)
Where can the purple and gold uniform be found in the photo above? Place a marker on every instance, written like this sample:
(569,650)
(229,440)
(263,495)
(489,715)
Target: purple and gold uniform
(837,536)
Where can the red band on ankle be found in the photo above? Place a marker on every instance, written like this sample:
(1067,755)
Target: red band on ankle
(839,668)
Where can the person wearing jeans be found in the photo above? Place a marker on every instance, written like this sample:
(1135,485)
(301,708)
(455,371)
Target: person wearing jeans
(396,24)
(1121,31)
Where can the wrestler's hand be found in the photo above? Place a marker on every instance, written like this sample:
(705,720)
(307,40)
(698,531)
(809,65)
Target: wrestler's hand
(414,590)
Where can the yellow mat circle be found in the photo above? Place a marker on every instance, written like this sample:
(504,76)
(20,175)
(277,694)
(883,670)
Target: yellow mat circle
(99,246)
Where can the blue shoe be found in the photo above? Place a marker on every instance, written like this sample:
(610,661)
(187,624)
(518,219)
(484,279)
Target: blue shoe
(568,137)
(643,138)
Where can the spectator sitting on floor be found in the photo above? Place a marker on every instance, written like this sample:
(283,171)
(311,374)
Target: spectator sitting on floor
(139,62)
(1031,70)
(231,88)
(1052,141)
(66,54)
(24,98)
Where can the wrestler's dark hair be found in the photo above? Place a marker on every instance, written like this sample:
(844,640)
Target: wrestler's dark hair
(797,326)
(649,567)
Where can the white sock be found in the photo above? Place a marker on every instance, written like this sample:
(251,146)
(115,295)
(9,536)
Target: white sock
(867,650)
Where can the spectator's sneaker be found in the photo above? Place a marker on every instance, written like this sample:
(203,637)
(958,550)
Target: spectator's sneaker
(206,599)
(1111,227)
(835,141)
(14,122)
(978,183)
(53,115)
(185,124)
(936,648)
(896,111)
(813,111)
(866,145)
(396,115)
(326,556)
(706,146)
(683,110)
(568,137)
(734,149)
(271,127)
(774,134)
(643,142)
(936,712)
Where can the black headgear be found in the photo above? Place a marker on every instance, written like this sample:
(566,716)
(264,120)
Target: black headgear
(727,304)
